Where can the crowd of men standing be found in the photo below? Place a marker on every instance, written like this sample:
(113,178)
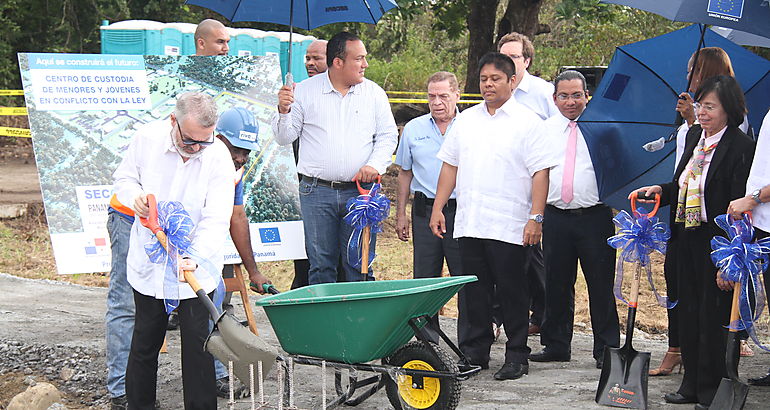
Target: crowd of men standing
(505,191)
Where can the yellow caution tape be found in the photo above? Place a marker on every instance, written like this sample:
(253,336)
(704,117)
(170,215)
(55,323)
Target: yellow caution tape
(15,132)
(11,92)
(424,101)
(13,111)
(424,93)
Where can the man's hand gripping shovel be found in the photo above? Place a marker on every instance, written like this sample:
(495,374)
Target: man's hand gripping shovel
(230,340)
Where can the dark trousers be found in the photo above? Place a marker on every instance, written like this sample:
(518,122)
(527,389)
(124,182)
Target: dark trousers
(499,264)
(301,269)
(197,364)
(569,237)
(430,252)
(704,311)
(535,268)
(672,285)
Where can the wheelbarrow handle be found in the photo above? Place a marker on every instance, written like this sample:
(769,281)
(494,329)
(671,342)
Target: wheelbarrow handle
(363,191)
(635,196)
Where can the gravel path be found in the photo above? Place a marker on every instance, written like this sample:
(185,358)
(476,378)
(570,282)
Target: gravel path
(54,330)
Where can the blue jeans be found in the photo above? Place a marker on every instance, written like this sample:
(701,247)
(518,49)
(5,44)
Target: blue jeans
(120,306)
(326,233)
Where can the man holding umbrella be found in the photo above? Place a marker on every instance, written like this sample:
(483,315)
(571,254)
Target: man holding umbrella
(347,133)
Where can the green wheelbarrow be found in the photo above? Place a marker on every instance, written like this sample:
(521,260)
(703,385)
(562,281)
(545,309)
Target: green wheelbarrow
(350,325)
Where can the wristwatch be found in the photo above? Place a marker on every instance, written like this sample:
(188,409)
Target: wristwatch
(537,218)
(755,195)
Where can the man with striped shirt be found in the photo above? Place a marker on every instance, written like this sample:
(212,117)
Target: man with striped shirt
(347,133)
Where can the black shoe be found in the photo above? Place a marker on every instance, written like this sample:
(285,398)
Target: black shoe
(548,356)
(599,362)
(760,381)
(119,403)
(173,321)
(223,389)
(512,371)
(676,398)
(701,407)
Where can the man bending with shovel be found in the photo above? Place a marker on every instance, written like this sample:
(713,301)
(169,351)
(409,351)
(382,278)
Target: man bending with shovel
(176,160)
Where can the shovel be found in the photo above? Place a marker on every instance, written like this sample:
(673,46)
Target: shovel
(623,381)
(229,341)
(365,237)
(732,391)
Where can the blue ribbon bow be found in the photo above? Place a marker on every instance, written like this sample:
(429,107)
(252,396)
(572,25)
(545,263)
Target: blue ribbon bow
(638,237)
(742,261)
(178,227)
(365,210)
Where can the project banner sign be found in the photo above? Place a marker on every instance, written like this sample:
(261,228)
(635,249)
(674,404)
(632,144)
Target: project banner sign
(84,110)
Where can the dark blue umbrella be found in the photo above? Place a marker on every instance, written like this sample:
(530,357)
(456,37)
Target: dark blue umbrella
(752,16)
(305,14)
(634,104)
(741,37)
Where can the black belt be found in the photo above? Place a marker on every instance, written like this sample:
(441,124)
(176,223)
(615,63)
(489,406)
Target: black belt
(330,184)
(577,211)
(450,203)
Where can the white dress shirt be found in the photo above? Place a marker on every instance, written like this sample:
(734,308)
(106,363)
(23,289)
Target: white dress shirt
(496,157)
(204,186)
(759,176)
(585,191)
(537,95)
(338,134)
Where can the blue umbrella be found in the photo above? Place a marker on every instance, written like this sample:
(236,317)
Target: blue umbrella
(305,14)
(752,16)
(741,37)
(634,104)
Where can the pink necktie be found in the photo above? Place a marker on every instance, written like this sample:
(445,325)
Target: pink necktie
(569,164)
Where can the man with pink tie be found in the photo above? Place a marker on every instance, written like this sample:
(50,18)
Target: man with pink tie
(576,228)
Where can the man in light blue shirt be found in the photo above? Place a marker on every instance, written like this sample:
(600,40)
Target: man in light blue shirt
(420,141)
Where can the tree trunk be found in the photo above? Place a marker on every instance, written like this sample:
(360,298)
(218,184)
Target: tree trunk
(521,16)
(481,31)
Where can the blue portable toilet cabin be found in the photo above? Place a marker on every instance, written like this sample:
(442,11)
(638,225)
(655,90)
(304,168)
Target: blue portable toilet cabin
(300,44)
(246,42)
(179,38)
(131,37)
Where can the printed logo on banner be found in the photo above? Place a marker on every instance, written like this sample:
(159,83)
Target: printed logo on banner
(96,247)
(270,235)
(726,9)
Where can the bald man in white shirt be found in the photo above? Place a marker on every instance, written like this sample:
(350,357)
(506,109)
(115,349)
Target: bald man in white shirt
(347,133)
(577,225)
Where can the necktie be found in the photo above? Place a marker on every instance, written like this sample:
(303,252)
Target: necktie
(569,164)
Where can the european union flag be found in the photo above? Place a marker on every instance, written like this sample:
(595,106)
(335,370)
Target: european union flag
(730,8)
(269,235)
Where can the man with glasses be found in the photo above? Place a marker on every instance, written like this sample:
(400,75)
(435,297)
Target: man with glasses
(576,228)
(420,141)
(176,160)
(535,94)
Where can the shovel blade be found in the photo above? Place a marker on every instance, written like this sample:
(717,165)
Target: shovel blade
(731,394)
(232,341)
(623,382)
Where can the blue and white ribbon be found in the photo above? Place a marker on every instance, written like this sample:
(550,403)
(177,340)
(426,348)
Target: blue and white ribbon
(742,261)
(178,227)
(637,238)
(365,210)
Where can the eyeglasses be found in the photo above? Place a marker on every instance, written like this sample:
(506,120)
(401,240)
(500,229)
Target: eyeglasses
(190,141)
(706,107)
(565,97)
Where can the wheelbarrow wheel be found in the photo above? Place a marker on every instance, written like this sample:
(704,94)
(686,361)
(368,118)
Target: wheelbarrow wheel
(437,392)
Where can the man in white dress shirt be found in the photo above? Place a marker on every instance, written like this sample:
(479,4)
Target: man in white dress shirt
(576,228)
(176,160)
(347,133)
(498,166)
(756,201)
(537,95)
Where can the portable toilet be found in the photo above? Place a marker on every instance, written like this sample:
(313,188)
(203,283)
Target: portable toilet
(300,44)
(246,42)
(171,38)
(131,37)
(271,43)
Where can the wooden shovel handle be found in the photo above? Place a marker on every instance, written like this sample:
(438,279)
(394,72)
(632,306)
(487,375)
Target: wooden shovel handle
(365,250)
(735,313)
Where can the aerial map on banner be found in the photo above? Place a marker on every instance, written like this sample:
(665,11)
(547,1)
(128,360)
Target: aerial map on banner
(83,111)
